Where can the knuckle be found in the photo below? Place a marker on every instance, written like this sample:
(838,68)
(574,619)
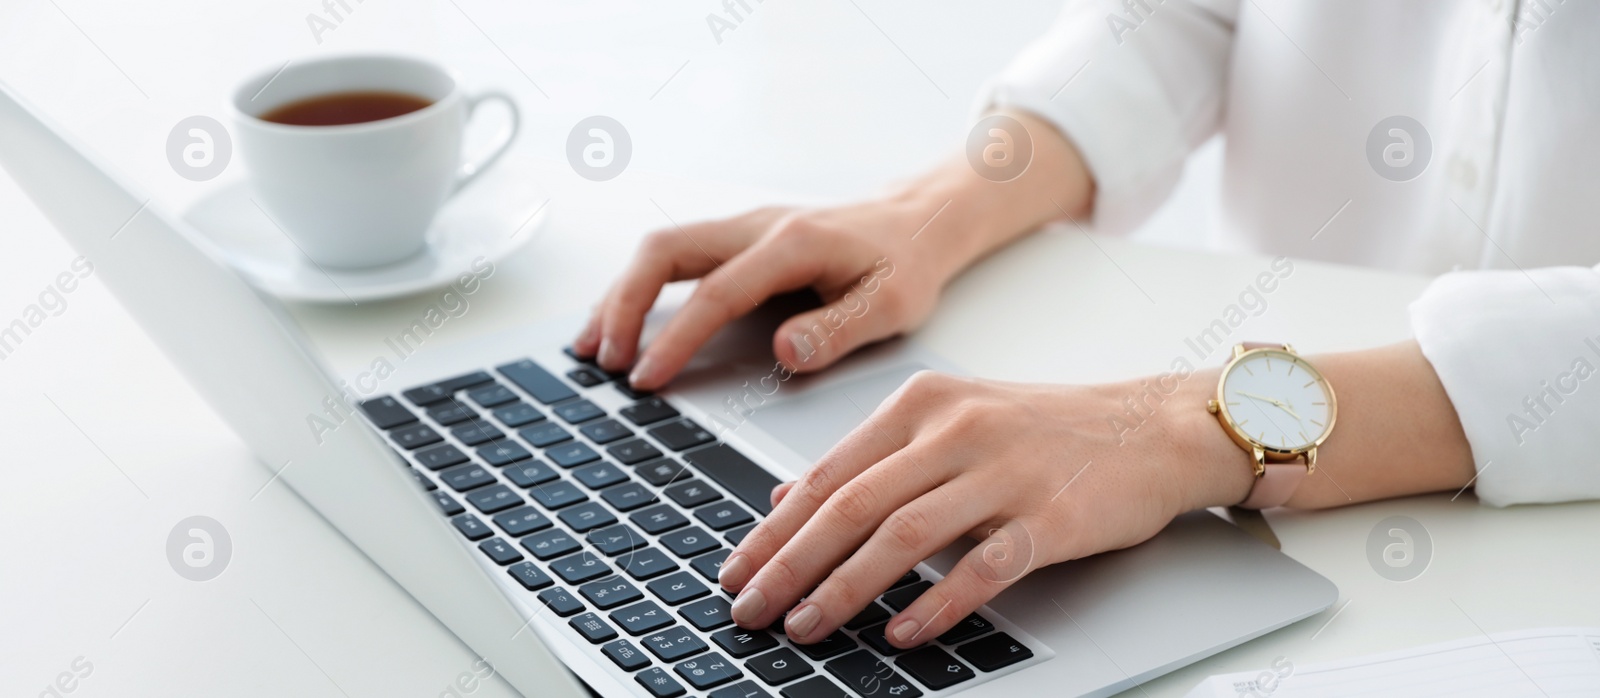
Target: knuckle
(780,574)
(716,292)
(659,242)
(907,528)
(853,505)
(796,227)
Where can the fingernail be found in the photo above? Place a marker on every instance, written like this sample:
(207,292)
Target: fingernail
(735,571)
(608,353)
(906,630)
(804,621)
(644,373)
(748,606)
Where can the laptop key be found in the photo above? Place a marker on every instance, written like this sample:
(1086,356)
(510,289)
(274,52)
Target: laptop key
(518,415)
(873,613)
(573,354)
(628,497)
(536,381)
(910,577)
(869,676)
(625,655)
(658,519)
(440,457)
(743,689)
(530,473)
(476,431)
(572,455)
(588,376)
(423,481)
(471,526)
(500,551)
(560,602)
(502,452)
(493,498)
(692,493)
(673,644)
(555,495)
(491,396)
(544,435)
(723,515)
(646,563)
(599,476)
(386,412)
(605,431)
(970,627)
(689,542)
(415,436)
(429,394)
(708,614)
(741,643)
(994,652)
(814,687)
(900,599)
(648,411)
(708,671)
(677,588)
(450,412)
(592,628)
(529,576)
(610,593)
(879,643)
(446,503)
(831,646)
(633,451)
(681,435)
(662,472)
(709,564)
(580,568)
(737,474)
(616,540)
(641,618)
(586,517)
(934,668)
(737,535)
(629,391)
(521,521)
(659,683)
(465,477)
(779,666)
(549,544)
(578,411)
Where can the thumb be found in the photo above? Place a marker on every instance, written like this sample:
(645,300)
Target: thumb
(816,339)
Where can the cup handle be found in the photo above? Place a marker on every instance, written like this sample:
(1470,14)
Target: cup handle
(470,170)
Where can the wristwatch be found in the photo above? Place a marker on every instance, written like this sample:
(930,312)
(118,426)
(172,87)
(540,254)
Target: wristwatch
(1279,409)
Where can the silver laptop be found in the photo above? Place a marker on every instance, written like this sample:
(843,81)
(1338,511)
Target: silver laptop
(569,530)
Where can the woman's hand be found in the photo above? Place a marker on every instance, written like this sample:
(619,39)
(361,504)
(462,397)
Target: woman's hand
(1037,473)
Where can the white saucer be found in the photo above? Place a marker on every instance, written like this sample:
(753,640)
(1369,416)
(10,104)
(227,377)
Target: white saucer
(489,219)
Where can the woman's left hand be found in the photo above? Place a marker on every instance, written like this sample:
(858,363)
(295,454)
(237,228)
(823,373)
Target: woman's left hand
(1038,474)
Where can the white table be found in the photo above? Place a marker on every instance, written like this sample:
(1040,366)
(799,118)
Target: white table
(105,447)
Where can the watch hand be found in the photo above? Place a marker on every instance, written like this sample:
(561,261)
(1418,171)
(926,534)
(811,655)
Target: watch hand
(1276,403)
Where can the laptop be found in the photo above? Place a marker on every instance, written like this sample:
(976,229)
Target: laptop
(569,530)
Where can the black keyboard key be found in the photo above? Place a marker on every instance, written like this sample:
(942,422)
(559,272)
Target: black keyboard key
(572,455)
(530,473)
(588,376)
(441,456)
(708,614)
(723,515)
(779,666)
(605,431)
(517,415)
(628,497)
(740,643)
(586,517)
(681,435)
(641,618)
(573,354)
(476,431)
(599,476)
(610,593)
(424,481)
(560,602)
(709,564)
(689,542)
(900,599)
(450,412)
(615,540)
(500,551)
(910,577)
(873,613)
(708,671)
(658,519)
(996,651)
(494,498)
(677,588)
(875,638)
(659,683)
(737,535)
(870,677)
(386,412)
(646,563)
(692,493)
(544,435)
(501,453)
(626,656)
(743,689)
(578,411)
(415,436)
(536,381)
(429,394)
(934,668)
(673,644)
(465,477)
(471,526)
(648,411)
(580,568)
(555,495)
(662,472)
(814,687)
(833,645)
(592,628)
(491,396)
(447,504)
(970,627)
(529,576)
(633,451)
(522,521)
(629,392)
(737,474)
(549,544)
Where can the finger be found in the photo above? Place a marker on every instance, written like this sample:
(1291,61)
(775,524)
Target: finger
(839,527)
(816,339)
(989,568)
(772,265)
(908,536)
(588,342)
(779,491)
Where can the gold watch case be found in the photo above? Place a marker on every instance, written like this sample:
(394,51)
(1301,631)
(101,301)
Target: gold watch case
(1263,453)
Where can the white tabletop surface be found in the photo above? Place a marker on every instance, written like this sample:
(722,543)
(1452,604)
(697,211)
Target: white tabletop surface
(105,448)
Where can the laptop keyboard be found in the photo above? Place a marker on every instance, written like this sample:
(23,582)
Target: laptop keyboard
(618,523)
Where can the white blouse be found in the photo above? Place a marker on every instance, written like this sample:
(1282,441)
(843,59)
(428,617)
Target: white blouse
(1421,136)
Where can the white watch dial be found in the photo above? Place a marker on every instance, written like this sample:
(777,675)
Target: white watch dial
(1277,400)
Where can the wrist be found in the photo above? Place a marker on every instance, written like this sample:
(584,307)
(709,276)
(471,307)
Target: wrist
(1208,468)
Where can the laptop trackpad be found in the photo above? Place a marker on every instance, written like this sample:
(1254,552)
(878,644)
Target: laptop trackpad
(813,420)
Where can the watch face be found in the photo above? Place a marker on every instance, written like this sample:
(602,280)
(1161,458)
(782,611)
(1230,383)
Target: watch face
(1277,400)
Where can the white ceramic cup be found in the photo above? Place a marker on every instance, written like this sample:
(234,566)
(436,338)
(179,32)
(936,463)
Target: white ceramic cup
(363,194)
